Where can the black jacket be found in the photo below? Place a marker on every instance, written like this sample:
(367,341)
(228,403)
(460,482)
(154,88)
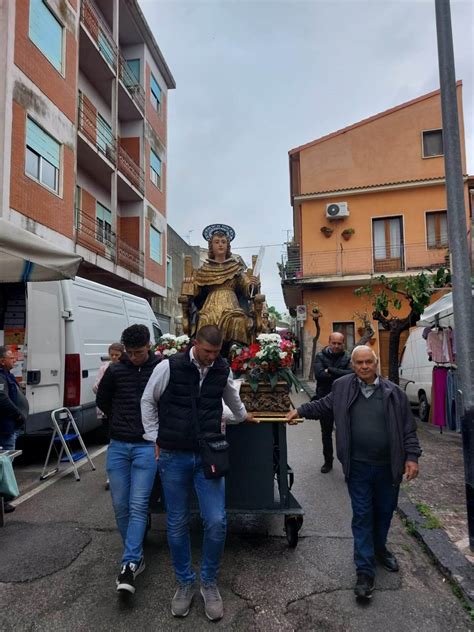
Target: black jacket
(184,409)
(119,395)
(404,444)
(13,404)
(337,364)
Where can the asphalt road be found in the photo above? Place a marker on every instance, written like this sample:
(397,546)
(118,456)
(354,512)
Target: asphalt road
(60,553)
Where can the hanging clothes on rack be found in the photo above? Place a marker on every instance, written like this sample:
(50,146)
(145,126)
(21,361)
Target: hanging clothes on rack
(439,345)
(438,400)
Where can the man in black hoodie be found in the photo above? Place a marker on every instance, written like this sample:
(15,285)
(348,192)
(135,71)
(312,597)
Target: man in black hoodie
(330,363)
(131,461)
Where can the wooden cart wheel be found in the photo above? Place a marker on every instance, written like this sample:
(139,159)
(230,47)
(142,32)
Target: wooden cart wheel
(292,527)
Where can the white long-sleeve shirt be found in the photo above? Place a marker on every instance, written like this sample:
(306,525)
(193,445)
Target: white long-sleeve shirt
(157,385)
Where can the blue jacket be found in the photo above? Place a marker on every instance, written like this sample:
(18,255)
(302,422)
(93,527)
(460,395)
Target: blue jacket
(13,404)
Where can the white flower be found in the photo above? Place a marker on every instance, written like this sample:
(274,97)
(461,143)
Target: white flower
(259,354)
(167,352)
(165,337)
(172,351)
(182,340)
(267,339)
(282,355)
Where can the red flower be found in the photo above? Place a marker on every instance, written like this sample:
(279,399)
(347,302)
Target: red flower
(254,349)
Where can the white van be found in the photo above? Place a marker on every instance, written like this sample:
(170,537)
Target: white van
(416,372)
(62,330)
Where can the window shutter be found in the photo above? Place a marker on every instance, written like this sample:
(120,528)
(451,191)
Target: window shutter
(42,143)
(46,32)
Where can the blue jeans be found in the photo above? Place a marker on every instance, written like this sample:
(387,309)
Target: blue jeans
(179,470)
(8,440)
(374,499)
(131,468)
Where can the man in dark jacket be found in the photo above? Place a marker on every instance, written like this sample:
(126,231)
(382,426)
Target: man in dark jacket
(330,363)
(131,460)
(377,445)
(13,406)
(183,398)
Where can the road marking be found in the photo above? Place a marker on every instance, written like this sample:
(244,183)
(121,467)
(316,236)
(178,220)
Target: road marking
(56,477)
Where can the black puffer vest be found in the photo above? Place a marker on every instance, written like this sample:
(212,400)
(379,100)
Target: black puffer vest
(175,408)
(129,382)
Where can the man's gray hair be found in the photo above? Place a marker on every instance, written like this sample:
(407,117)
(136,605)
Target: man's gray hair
(3,352)
(367,348)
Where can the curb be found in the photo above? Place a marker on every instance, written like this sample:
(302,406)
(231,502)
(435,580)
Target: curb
(447,557)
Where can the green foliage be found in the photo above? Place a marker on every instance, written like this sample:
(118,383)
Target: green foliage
(431,521)
(417,290)
(272,311)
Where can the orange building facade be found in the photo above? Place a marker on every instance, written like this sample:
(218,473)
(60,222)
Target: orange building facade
(367,200)
(83,103)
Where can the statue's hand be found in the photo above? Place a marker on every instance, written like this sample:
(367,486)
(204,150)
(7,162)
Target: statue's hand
(253,280)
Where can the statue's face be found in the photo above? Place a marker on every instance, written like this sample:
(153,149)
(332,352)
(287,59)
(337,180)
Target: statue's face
(219,245)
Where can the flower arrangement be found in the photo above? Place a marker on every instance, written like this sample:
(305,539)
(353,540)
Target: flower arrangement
(269,359)
(168,345)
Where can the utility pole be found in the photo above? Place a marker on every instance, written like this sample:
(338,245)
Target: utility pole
(458,245)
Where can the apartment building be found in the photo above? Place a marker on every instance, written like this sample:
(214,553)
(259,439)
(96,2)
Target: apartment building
(83,109)
(367,200)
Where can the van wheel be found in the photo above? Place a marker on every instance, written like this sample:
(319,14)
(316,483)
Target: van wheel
(423,407)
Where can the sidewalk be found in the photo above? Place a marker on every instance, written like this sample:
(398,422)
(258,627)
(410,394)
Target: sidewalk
(434,505)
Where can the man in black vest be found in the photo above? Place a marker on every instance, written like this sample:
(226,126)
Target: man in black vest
(184,392)
(330,363)
(131,461)
(377,446)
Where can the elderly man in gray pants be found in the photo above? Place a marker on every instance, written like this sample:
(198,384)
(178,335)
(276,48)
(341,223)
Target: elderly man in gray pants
(377,446)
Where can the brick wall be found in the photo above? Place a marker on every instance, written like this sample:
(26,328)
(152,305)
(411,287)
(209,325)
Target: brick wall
(62,91)
(31,198)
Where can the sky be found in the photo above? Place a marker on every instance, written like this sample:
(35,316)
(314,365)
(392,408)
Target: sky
(256,78)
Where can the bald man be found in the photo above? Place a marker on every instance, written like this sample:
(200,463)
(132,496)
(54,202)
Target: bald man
(330,363)
(377,446)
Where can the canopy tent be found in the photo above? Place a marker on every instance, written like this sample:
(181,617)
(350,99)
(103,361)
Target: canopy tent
(440,312)
(26,257)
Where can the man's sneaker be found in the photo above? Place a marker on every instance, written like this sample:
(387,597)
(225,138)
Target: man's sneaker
(126,579)
(388,560)
(364,587)
(213,605)
(182,600)
(138,568)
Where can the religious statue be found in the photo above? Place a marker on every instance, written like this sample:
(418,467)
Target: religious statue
(222,292)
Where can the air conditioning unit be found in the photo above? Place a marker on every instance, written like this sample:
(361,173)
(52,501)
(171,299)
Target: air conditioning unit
(336,211)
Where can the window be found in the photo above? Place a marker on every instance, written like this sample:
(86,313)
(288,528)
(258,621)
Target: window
(46,32)
(133,72)
(77,208)
(437,229)
(42,156)
(432,143)
(104,138)
(347,329)
(388,244)
(169,272)
(104,224)
(155,244)
(155,169)
(155,95)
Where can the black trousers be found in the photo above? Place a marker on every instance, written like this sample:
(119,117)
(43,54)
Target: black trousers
(327,425)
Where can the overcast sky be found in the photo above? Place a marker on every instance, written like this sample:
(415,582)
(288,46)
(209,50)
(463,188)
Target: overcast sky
(257,78)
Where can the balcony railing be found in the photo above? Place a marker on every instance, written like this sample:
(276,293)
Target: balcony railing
(356,261)
(132,84)
(98,236)
(95,129)
(129,257)
(99,31)
(130,169)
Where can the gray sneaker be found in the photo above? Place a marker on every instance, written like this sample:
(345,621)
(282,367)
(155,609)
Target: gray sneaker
(212,601)
(182,600)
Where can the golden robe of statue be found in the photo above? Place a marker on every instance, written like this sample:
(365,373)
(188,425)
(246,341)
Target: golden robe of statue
(221,283)
(220,292)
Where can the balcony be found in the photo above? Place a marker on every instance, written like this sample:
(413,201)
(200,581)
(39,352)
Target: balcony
(131,181)
(339,264)
(131,95)
(97,50)
(96,145)
(97,236)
